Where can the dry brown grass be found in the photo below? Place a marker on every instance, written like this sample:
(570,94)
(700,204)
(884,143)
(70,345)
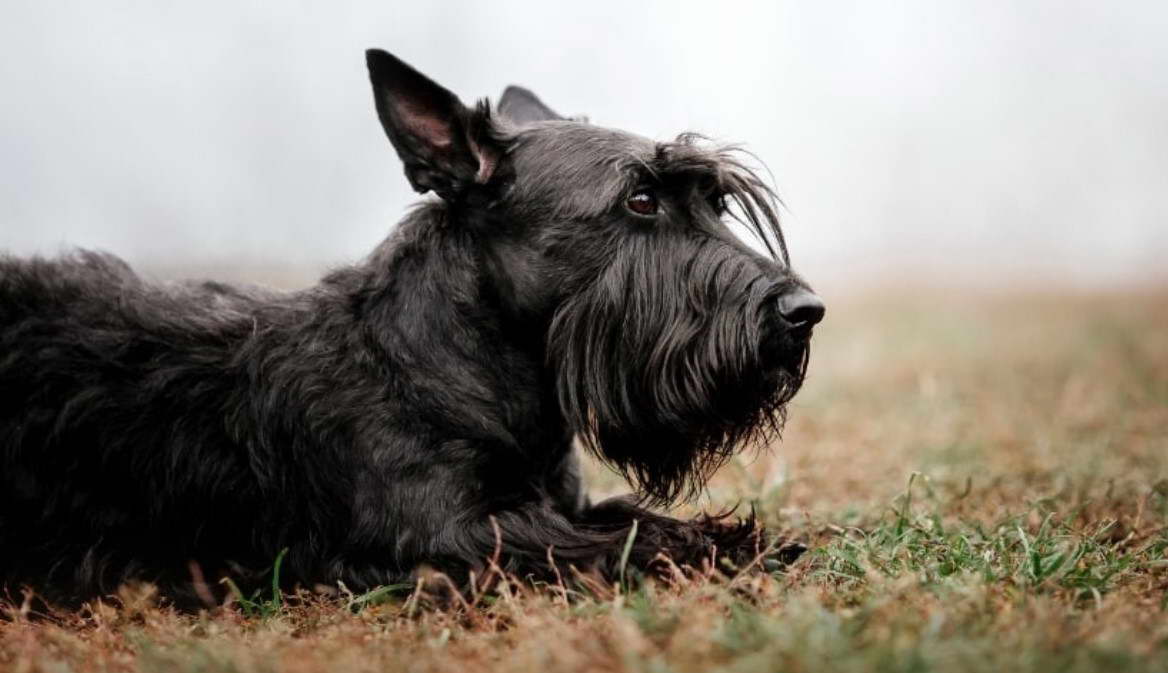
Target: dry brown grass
(1034,535)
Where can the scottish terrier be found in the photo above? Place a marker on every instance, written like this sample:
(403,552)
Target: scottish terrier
(569,283)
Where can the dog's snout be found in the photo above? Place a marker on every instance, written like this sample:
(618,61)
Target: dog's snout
(801,308)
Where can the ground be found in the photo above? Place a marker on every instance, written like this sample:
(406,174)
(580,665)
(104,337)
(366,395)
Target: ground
(982,477)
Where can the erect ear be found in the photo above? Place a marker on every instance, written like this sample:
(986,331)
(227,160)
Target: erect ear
(444,146)
(523,107)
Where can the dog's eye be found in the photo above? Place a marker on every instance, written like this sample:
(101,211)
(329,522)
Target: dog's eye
(717,201)
(642,202)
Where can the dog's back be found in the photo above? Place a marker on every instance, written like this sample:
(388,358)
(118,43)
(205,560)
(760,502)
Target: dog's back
(99,288)
(43,287)
(112,400)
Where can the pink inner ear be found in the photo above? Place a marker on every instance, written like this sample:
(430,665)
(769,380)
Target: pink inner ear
(428,128)
(487,163)
(438,134)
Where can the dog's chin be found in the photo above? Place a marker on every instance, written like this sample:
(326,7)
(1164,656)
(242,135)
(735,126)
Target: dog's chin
(670,452)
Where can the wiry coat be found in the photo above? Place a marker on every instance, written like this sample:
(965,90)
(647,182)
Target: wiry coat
(418,407)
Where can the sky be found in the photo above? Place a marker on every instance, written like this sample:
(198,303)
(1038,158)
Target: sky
(995,142)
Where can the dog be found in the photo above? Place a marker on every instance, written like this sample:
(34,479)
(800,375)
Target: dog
(565,283)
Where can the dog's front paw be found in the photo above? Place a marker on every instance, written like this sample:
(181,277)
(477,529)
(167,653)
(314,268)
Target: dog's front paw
(786,552)
(745,541)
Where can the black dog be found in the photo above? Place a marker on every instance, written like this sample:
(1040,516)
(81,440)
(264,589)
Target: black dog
(571,281)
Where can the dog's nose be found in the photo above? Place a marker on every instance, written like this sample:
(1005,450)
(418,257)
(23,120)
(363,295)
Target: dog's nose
(801,308)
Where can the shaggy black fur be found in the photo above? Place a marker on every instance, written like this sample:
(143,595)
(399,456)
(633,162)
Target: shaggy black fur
(419,407)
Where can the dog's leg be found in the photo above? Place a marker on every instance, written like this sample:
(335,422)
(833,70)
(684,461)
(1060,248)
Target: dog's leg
(694,541)
(526,539)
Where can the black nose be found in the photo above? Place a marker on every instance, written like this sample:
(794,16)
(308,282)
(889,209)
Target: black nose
(801,308)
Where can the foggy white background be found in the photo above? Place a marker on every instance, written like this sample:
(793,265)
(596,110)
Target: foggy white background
(988,141)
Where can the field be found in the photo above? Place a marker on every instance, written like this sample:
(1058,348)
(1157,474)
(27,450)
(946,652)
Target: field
(982,477)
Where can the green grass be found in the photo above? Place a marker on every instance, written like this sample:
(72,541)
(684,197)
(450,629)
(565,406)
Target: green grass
(1011,552)
(983,481)
(255,605)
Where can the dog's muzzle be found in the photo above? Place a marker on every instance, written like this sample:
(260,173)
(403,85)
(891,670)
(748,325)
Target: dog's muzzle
(789,319)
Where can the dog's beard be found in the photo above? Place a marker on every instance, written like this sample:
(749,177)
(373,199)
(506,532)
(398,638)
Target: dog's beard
(672,360)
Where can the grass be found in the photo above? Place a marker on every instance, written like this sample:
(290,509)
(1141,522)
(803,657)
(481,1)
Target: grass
(983,480)
(257,606)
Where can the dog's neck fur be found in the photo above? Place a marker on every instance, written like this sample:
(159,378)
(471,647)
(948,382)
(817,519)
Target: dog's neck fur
(427,304)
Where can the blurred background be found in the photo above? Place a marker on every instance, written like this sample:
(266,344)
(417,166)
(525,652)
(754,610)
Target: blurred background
(973,143)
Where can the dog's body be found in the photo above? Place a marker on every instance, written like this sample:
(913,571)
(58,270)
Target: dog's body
(420,407)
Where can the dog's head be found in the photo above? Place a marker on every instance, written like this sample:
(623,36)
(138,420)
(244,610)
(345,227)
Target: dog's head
(672,342)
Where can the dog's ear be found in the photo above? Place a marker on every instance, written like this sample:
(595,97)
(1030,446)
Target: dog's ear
(523,107)
(445,146)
